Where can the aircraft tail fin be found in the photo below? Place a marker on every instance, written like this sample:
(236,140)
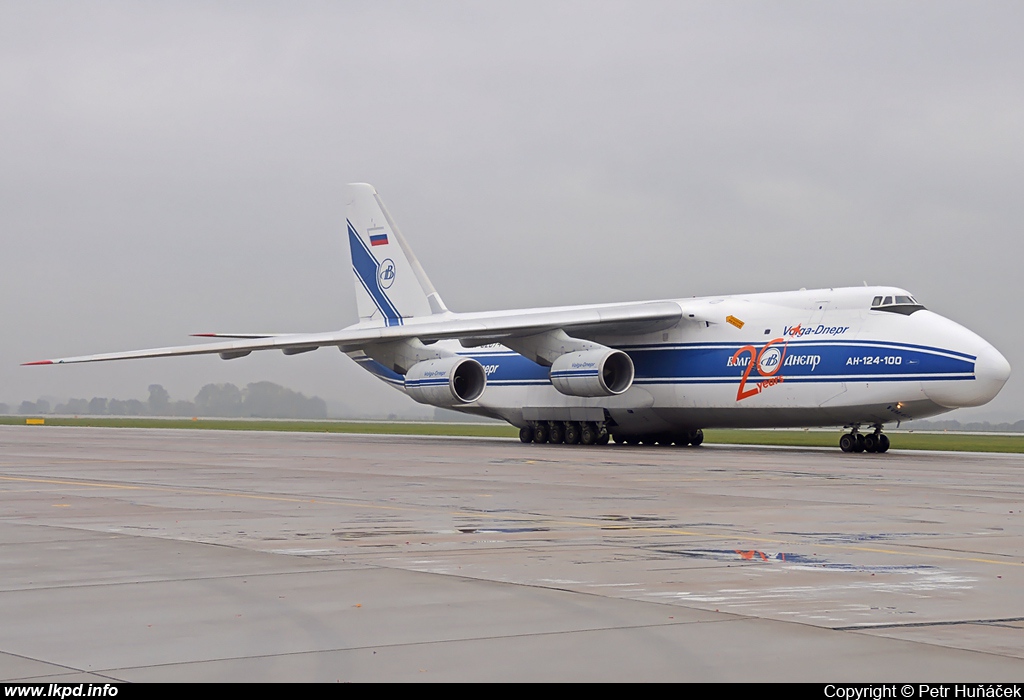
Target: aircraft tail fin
(391,285)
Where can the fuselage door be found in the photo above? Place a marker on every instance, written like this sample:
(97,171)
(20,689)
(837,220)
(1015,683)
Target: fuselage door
(818,310)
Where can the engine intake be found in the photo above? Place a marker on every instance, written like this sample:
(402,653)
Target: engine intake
(446,382)
(603,372)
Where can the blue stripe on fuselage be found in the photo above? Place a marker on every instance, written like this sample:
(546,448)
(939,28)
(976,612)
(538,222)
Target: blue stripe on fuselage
(810,360)
(815,361)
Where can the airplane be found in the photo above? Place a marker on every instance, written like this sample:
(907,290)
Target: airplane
(652,372)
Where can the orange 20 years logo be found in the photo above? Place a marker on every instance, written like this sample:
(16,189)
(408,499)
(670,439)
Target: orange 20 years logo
(768,362)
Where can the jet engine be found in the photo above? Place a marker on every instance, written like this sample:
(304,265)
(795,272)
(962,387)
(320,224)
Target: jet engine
(602,372)
(446,382)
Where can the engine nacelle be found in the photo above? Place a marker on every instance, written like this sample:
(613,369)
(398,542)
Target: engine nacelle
(446,382)
(603,372)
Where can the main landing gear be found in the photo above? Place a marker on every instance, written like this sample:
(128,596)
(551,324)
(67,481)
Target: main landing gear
(854,441)
(570,432)
(590,433)
(681,439)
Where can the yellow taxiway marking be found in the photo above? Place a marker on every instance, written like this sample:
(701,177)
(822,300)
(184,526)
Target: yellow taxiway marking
(65,482)
(201,492)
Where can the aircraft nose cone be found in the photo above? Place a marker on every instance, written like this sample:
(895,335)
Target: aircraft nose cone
(991,370)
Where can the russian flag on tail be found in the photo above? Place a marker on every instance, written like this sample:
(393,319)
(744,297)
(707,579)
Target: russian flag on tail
(378,239)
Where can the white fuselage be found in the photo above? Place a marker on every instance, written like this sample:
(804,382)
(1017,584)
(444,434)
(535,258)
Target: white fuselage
(787,359)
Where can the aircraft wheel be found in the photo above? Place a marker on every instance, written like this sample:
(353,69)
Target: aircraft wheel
(697,437)
(870,443)
(588,434)
(883,443)
(847,442)
(540,433)
(556,433)
(858,443)
(603,438)
(572,433)
(526,434)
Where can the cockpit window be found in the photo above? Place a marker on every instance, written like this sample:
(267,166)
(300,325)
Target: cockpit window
(898,304)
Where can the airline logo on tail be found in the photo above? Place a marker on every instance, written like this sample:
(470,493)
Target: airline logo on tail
(386,274)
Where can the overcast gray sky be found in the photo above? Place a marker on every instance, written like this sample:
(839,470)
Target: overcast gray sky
(169,168)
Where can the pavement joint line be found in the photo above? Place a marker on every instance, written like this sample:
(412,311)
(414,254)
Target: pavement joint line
(212,577)
(938,623)
(947,646)
(40,661)
(399,645)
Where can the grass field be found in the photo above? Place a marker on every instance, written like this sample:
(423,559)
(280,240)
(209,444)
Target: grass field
(961,442)
(293,426)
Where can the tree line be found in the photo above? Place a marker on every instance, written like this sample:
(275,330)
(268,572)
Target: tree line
(256,400)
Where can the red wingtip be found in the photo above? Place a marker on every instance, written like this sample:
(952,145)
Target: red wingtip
(203,335)
(37,362)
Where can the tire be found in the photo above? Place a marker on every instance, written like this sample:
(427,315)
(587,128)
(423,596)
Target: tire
(858,446)
(556,434)
(526,434)
(847,442)
(883,443)
(603,438)
(697,437)
(540,434)
(588,434)
(572,433)
(870,443)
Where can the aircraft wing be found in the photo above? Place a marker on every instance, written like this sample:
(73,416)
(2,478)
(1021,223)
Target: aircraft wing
(472,328)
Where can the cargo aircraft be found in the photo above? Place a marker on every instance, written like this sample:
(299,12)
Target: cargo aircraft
(653,372)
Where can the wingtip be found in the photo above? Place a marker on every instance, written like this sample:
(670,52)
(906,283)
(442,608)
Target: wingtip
(202,335)
(37,362)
